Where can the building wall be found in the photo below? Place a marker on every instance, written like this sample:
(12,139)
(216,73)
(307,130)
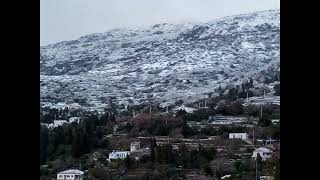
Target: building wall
(242,136)
(118,155)
(134,146)
(69,177)
(263,155)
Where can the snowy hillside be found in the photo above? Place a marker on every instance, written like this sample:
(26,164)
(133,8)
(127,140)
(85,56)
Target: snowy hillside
(162,63)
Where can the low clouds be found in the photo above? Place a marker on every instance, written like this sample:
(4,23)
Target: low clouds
(69,19)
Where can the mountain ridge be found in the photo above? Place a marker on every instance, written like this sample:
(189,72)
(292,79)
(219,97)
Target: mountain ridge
(163,62)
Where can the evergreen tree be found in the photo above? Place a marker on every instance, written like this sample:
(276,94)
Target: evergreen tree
(251,83)
(43,144)
(184,154)
(77,146)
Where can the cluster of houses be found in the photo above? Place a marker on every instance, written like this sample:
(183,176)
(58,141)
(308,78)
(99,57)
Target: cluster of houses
(263,152)
(57,123)
(135,151)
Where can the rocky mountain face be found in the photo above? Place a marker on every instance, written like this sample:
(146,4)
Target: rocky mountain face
(161,63)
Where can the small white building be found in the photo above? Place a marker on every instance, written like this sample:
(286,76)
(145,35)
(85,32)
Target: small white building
(266,178)
(118,155)
(57,123)
(134,146)
(74,119)
(265,153)
(242,136)
(71,174)
(183,107)
(275,121)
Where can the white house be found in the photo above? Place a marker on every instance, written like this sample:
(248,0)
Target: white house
(57,123)
(134,146)
(74,119)
(242,136)
(118,155)
(265,153)
(71,174)
(275,121)
(183,107)
(266,178)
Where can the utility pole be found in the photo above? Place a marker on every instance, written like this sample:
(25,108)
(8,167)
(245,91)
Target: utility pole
(205,103)
(264,94)
(257,167)
(150,111)
(247,95)
(253,139)
(261,112)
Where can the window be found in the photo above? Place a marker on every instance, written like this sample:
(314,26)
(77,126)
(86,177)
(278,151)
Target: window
(60,176)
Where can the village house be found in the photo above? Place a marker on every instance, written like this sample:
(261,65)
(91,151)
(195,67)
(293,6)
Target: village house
(275,121)
(118,155)
(136,151)
(74,119)
(134,146)
(183,107)
(71,174)
(265,153)
(266,178)
(242,136)
(57,123)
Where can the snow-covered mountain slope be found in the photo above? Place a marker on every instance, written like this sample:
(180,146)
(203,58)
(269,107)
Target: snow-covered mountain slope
(163,62)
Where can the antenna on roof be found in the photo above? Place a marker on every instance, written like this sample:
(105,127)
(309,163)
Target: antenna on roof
(150,109)
(247,95)
(150,112)
(133,114)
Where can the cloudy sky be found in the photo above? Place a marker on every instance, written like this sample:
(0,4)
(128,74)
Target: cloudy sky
(69,19)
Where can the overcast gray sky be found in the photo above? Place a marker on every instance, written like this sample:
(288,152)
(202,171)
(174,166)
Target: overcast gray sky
(69,19)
